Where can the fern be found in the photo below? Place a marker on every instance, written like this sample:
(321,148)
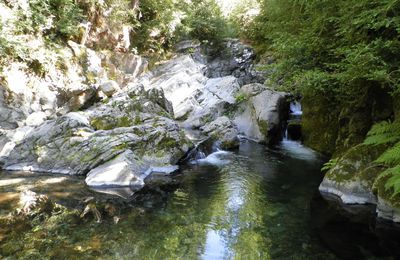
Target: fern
(394,181)
(391,156)
(388,133)
(330,164)
(383,133)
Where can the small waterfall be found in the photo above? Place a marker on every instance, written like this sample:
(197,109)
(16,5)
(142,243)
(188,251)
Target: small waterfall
(293,127)
(194,154)
(295,108)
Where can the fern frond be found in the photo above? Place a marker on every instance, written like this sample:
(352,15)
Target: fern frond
(383,133)
(394,181)
(391,156)
(330,164)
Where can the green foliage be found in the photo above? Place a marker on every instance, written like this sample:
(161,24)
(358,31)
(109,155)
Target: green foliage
(391,156)
(393,183)
(340,47)
(330,164)
(53,18)
(383,133)
(239,98)
(388,133)
(242,18)
(155,27)
(204,21)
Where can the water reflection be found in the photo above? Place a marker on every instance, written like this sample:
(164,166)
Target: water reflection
(249,204)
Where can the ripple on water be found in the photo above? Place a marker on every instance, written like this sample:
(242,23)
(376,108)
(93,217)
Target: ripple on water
(253,203)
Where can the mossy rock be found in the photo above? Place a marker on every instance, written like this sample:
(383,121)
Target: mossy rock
(263,126)
(386,194)
(320,123)
(333,127)
(357,164)
(108,122)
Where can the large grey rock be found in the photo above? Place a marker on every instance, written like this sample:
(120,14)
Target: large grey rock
(122,171)
(198,100)
(355,178)
(211,102)
(125,170)
(181,79)
(260,113)
(130,63)
(224,131)
(36,118)
(349,192)
(80,141)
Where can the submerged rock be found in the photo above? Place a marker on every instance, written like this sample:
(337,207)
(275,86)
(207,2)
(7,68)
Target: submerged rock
(125,170)
(31,203)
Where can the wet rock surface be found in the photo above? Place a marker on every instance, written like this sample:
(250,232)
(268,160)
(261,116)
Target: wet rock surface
(355,179)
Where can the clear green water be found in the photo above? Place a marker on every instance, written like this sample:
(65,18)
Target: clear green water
(250,204)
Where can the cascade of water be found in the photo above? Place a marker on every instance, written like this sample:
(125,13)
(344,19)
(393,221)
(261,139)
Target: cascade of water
(295,108)
(293,127)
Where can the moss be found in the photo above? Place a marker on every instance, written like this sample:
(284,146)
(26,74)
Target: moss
(121,147)
(229,144)
(167,143)
(99,124)
(240,97)
(107,122)
(320,124)
(10,248)
(333,126)
(124,121)
(263,125)
(386,194)
(207,119)
(134,106)
(137,120)
(357,163)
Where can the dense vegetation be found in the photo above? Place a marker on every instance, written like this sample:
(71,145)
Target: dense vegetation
(154,24)
(341,50)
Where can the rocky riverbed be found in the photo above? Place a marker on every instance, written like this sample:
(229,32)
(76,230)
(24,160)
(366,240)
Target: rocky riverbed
(128,130)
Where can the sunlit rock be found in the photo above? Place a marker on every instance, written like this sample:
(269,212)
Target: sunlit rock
(260,113)
(109,88)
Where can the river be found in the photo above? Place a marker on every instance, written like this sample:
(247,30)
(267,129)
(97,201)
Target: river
(253,203)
